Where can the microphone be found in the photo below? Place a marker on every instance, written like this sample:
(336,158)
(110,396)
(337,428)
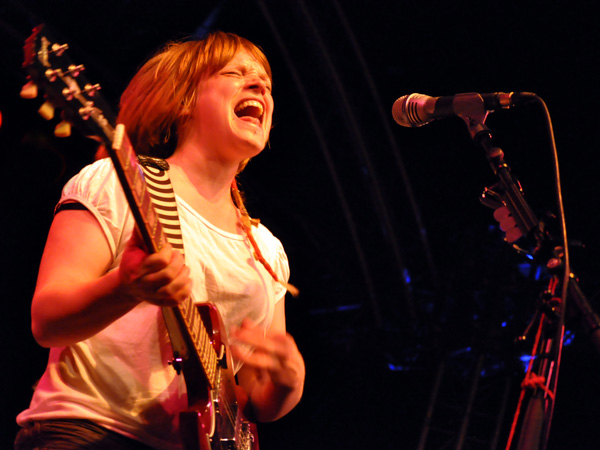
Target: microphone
(416,110)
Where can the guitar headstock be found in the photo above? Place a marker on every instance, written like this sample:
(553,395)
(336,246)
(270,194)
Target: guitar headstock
(65,87)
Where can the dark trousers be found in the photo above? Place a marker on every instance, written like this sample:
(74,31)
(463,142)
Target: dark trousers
(72,435)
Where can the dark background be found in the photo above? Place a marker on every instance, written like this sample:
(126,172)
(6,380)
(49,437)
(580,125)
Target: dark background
(405,277)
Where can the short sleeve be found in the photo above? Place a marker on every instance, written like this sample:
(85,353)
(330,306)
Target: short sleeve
(97,188)
(276,256)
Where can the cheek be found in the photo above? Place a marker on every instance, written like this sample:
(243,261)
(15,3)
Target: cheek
(270,118)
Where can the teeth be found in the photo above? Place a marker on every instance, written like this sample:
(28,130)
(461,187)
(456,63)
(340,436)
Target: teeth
(254,105)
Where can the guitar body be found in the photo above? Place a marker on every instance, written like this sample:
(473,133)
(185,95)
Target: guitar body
(216,418)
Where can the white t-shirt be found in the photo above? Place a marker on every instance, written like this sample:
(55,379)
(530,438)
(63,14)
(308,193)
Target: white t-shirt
(120,378)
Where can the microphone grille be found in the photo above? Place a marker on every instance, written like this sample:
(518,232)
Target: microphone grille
(406,110)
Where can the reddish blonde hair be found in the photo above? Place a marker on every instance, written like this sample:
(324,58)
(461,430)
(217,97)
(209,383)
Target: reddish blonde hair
(155,104)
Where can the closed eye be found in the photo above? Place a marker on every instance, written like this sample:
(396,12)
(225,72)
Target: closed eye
(242,72)
(268,85)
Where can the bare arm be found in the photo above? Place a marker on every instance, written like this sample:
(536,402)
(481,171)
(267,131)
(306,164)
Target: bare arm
(76,298)
(273,375)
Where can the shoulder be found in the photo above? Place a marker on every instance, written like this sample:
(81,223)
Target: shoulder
(272,250)
(92,178)
(264,235)
(98,189)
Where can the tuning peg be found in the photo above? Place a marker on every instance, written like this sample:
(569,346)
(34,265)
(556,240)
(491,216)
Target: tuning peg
(59,49)
(87,110)
(46,111)
(75,70)
(69,93)
(91,89)
(63,129)
(29,91)
(52,74)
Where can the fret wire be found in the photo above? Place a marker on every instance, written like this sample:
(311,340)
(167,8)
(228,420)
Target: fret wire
(137,183)
(194,327)
(147,205)
(206,349)
(202,342)
(122,155)
(152,220)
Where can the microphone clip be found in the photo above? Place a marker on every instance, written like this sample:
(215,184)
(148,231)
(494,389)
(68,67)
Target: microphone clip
(471,108)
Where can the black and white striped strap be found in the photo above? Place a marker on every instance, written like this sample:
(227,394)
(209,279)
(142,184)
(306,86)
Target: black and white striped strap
(161,192)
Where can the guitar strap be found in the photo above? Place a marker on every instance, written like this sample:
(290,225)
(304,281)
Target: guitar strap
(162,195)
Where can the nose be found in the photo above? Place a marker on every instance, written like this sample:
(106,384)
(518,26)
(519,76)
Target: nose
(258,84)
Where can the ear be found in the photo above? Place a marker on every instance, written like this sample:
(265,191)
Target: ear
(188,103)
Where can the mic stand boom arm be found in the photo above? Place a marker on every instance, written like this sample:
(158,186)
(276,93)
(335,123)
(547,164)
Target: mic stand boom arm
(536,425)
(528,223)
(474,114)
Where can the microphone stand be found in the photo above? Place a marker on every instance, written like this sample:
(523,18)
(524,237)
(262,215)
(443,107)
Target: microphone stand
(546,354)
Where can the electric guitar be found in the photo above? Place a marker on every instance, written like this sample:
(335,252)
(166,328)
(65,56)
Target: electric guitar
(215,418)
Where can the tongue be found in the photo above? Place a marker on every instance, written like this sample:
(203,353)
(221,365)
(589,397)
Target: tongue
(248,112)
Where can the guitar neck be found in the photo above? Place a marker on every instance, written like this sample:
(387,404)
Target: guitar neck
(66,87)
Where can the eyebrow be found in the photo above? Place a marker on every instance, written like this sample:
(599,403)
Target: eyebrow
(244,66)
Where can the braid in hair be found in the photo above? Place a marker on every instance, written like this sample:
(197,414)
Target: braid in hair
(246,223)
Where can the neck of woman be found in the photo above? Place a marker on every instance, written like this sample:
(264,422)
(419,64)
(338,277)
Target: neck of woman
(206,186)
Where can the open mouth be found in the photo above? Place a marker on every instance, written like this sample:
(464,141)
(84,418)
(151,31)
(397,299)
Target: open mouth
(249,109)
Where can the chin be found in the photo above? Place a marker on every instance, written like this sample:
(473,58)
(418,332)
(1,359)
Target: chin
(256,150)
(254,144)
